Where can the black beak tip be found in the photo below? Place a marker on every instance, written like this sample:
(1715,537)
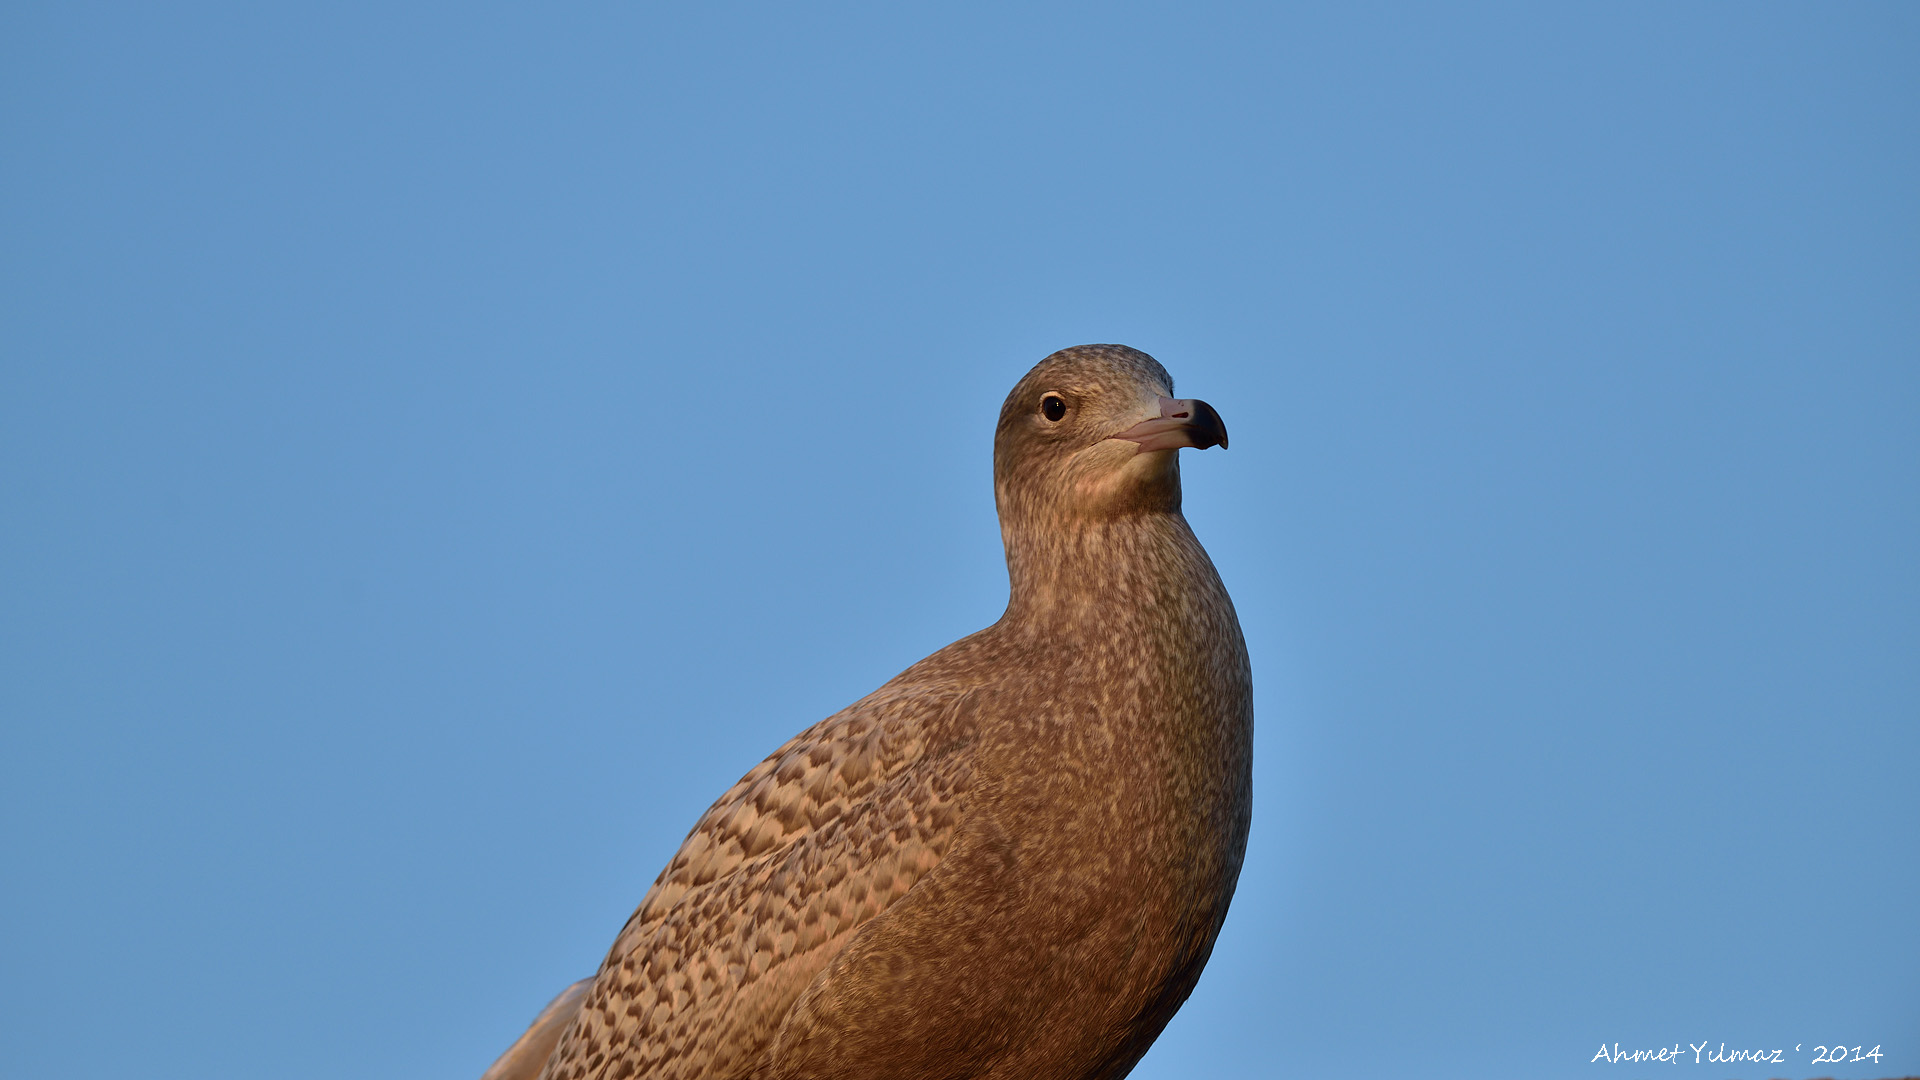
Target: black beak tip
(1211,429)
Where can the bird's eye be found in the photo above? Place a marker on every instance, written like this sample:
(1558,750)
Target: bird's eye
(1052,407)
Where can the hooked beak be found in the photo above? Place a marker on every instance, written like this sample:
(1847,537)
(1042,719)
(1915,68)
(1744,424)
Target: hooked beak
(1182,422)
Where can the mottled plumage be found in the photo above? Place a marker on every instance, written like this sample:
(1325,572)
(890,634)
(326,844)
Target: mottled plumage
(1012,860)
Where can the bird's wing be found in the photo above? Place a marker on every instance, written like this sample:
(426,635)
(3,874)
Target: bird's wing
(816,841)
(523,1059)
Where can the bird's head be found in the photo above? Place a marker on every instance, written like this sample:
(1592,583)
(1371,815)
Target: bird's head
(1091,433)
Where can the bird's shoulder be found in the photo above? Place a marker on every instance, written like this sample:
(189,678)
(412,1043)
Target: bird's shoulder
(820,838)
(816,779)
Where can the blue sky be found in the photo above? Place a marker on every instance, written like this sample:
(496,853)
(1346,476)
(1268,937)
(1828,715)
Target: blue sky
(441,447)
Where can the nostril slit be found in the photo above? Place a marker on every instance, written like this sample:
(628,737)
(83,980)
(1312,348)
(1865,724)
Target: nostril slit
(1181,415)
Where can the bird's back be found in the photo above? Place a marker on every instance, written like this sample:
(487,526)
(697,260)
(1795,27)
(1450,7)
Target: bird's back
(816,841)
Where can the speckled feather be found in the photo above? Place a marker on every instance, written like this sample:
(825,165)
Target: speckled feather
(1012,860)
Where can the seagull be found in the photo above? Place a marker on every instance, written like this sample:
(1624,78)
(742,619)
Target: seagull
(1009,862)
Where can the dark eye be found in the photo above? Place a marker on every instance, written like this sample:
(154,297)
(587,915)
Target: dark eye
(1052,407)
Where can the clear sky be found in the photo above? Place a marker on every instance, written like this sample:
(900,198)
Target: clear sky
(442,446)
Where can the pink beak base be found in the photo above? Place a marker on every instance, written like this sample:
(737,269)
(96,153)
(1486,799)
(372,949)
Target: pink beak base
(1182,422)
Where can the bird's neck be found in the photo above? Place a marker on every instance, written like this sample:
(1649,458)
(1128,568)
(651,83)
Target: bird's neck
(1107,572)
